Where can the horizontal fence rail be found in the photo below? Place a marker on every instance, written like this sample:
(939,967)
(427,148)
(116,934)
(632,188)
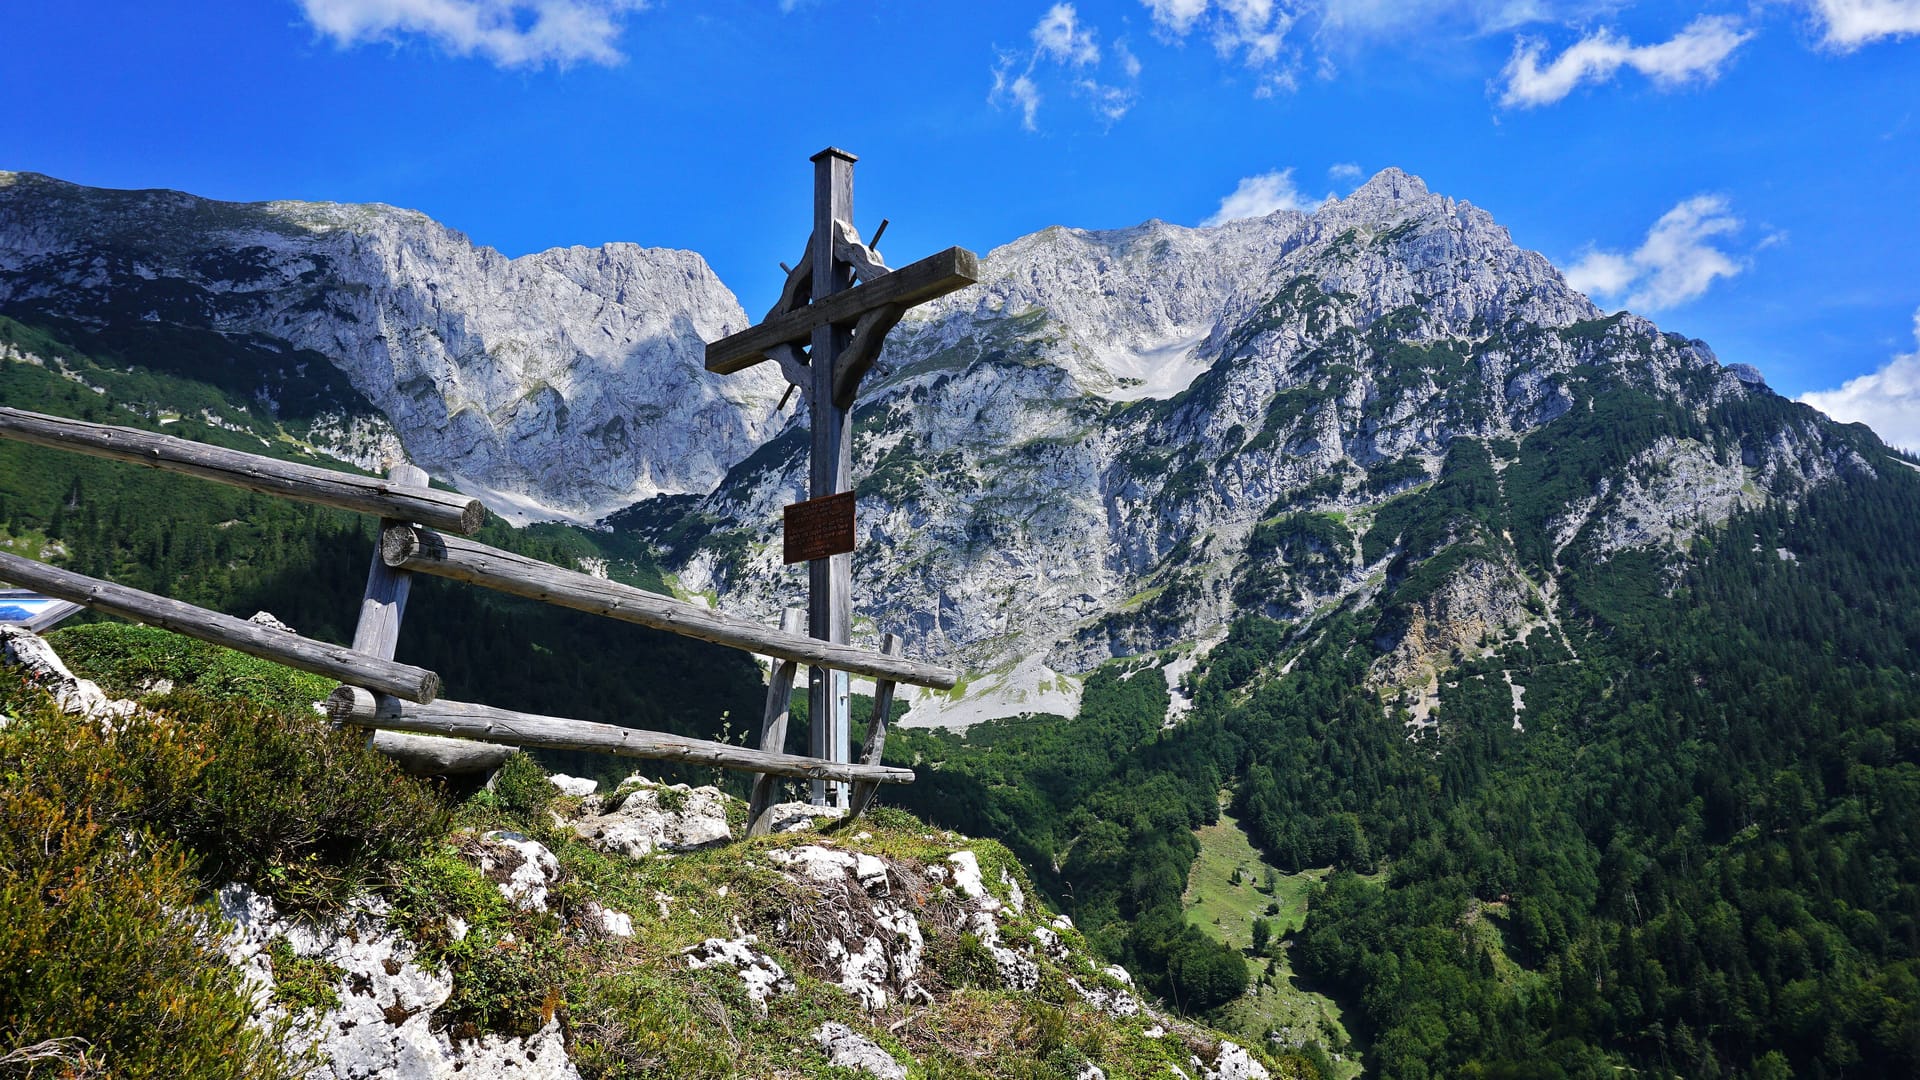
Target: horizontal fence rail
(319,657)
(398,701)
(428,552)
(352,705)
(267,476)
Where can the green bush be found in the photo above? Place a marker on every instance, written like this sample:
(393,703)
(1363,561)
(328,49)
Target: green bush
(98,942)
(130,660)
(523,790)
(303,983)
(295,807)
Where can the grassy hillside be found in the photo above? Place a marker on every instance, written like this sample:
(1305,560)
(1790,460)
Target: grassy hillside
(110,834)
(1230,888)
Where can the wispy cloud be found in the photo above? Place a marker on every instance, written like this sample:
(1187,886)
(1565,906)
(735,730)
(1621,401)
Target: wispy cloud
(1258,196)
(1696,54)
(1676,263)
(1253,30)
(1059,36)
(1019,89)
(1888,400)
(1849,24)
(1345,172)
(1176,16)
(510,33)
(1063,43)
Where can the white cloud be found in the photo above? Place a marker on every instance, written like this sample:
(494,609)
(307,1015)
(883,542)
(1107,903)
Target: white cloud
(1888,400)
(1062,41)
(1258,196)
(1850,24)
(511,33)
(1176,16)
(1110,102)
(1676,262)
(1345,172)
(1020,89)
(1255,29)
(1058,36)
(1695,54)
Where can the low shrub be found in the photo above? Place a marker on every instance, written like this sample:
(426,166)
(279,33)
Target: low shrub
(295,807)
(131,661)
(99,941)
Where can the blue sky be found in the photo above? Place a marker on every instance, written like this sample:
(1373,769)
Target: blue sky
(1744,173)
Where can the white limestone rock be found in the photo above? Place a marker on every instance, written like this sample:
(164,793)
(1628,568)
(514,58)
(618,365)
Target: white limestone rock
(1235,1063)
(608,921)
(577,786)
(799,817)
(1118,1002)
(383,1025)
(642,817)
(520,867)
(761,973)
(25,649)
(847,1049)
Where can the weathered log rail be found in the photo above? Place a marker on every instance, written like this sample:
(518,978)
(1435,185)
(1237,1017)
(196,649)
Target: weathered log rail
(399,701)
(421,550)
(264,475)
(306,654)
(463,720)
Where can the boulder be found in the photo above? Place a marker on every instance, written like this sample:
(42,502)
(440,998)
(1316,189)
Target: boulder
(642,817)
(846,1049)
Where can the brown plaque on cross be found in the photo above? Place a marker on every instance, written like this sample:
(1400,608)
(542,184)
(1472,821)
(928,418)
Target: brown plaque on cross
(819,528)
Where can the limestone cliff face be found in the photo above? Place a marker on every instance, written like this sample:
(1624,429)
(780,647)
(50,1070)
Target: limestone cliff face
(566,383)
(1071,460)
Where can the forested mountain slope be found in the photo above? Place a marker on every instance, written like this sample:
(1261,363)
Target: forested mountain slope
(1662,818)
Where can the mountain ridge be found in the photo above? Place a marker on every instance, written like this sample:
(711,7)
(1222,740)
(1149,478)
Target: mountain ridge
(1098,428)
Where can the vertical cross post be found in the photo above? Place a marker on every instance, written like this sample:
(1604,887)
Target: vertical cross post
(830,580)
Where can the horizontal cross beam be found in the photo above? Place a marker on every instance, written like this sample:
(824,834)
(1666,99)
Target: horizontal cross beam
(915,283)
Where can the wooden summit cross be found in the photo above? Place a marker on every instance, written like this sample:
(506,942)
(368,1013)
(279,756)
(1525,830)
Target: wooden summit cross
(841,325)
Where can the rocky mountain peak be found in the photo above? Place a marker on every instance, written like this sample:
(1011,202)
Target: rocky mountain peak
(1390,185)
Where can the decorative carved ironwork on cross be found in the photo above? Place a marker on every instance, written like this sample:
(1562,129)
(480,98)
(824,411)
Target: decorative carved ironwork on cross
(825,333)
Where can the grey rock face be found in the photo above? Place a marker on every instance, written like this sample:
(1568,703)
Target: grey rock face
(1068,461)
(566,383)
(847,1049)
(1073,460)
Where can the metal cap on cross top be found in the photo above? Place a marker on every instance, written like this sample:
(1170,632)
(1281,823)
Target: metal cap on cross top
(825,332)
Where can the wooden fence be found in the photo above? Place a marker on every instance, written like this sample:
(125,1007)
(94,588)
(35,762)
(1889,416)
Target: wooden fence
(401,703)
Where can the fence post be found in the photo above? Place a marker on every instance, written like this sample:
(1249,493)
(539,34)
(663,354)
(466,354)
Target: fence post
(377,633)
(863,790)
(773,728)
